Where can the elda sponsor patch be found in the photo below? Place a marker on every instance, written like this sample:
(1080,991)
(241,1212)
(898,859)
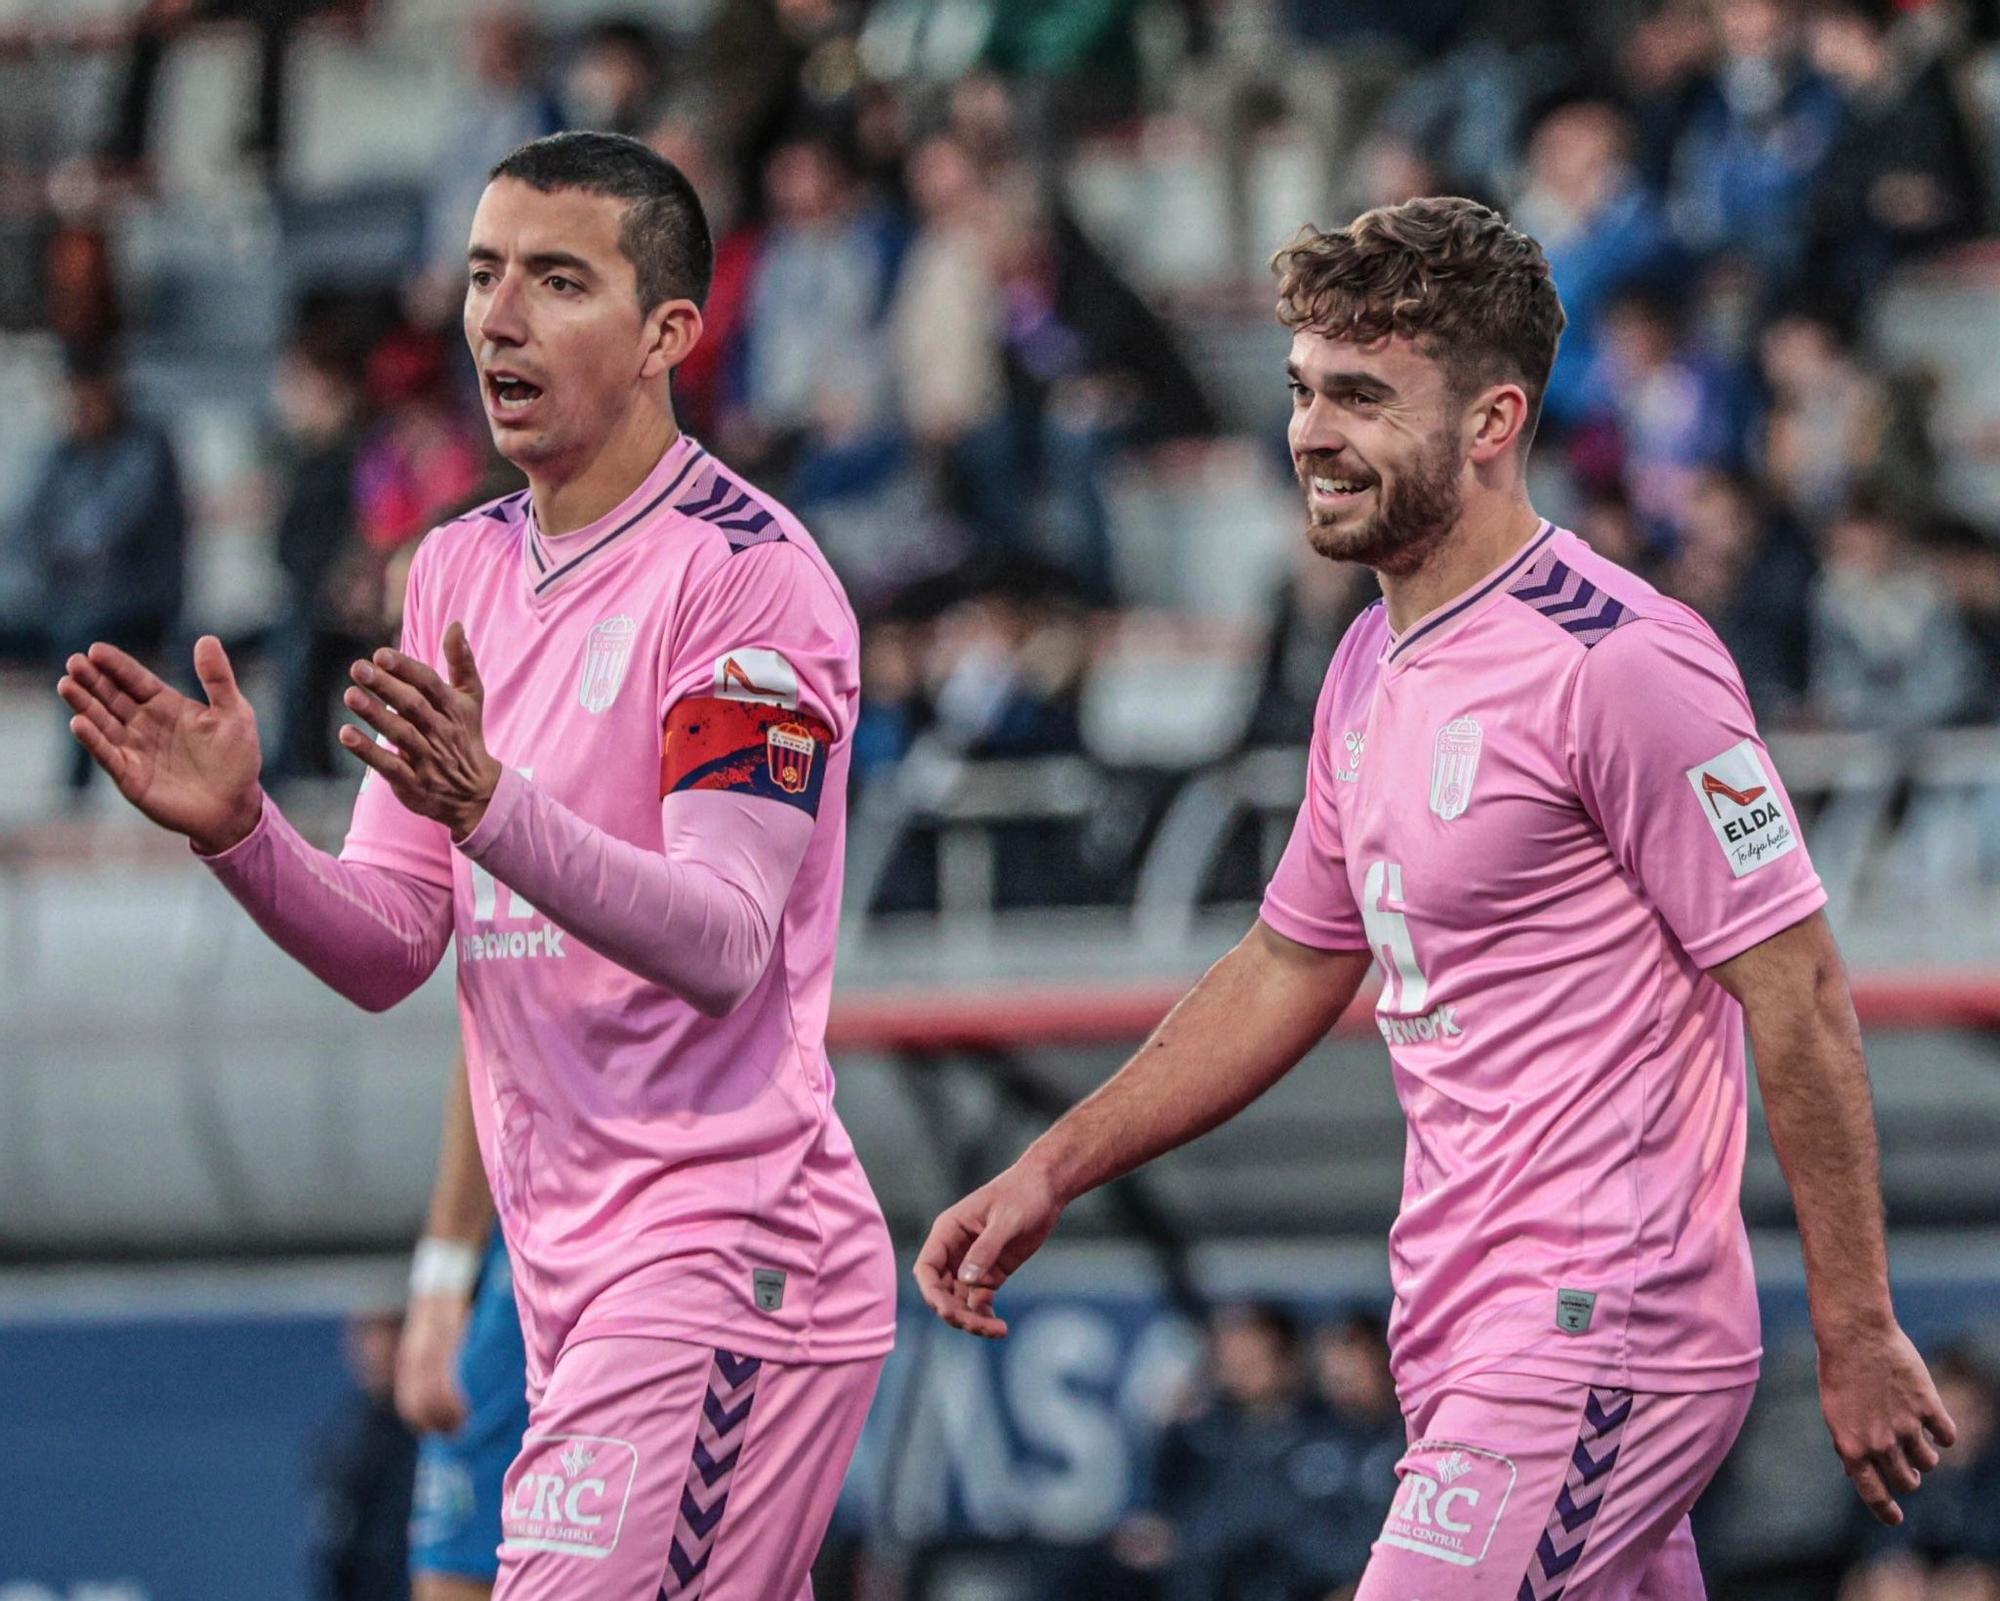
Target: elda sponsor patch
(1741,803)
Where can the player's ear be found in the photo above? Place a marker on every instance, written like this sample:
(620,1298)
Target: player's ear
(672,329)
(1496,419)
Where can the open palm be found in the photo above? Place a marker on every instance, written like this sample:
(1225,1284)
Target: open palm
(188,766)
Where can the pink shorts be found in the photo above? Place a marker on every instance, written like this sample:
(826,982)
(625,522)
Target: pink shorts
(1526,1489)
(658,1471)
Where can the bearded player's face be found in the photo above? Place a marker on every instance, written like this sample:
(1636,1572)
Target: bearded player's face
(553,322)
(1377,445)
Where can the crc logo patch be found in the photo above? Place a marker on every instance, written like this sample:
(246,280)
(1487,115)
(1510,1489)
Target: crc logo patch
(1449,1501)
(790,748)
(1741,804)
(567,1492)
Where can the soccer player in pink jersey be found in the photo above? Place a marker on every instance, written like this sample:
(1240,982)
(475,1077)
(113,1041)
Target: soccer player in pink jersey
(629,810)
(1537,800)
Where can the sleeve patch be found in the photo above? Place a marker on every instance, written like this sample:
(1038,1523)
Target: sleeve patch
(756,675)
(1741,804)
(746,747)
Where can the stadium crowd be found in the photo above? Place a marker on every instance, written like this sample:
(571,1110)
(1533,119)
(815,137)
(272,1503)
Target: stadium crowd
(922,339)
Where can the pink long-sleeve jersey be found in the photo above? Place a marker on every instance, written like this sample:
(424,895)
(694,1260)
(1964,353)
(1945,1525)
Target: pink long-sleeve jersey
(657,1170)
(1546,810)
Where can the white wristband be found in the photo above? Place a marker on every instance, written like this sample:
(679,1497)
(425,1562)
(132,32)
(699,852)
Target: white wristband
(444,1267)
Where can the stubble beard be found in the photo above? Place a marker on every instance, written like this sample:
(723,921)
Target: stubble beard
(1415,512)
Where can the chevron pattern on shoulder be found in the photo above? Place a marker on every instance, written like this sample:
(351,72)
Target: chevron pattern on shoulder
(718,1443)
(1568,599)
(1560,1548)
(729,506)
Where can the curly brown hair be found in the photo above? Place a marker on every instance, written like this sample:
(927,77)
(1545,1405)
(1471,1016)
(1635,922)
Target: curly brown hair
(1449,273)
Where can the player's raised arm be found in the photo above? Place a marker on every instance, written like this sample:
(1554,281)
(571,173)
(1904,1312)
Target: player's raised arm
(1880,1404)
(373,934)
(741,778)
(1242,1027)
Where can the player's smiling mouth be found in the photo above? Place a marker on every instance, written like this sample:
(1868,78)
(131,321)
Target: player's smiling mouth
(1336,489)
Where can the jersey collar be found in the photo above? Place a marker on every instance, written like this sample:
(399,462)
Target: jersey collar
(551,563)
(1436,620)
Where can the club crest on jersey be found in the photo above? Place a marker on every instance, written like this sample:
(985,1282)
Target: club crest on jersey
(759,676)
(1740,803)
(1454,765)
(790,747)
(607,651)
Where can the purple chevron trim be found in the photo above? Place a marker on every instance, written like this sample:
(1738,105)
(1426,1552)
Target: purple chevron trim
(718,1446)
(1568,599)
(1599,1419)
(1560,1548)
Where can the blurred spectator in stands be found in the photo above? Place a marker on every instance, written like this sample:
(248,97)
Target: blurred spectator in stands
(1605,521)
(1904,177)
(106,527)
(1834,421)
(1673,410)
(1889,649)
(504,102)
(706,383)
(1386,170)
(1759,134)
(1662,69)
(362,1471)
(1357,1467)
(320,399)
(614,78)
(1749,572)
(1089,369)
(1947,1548)
(948,315)
(816,401)
(80,302)
(1004,665)
(1467,110)
(1603,232)
(1239,1484)
(1311,613)
(421,456)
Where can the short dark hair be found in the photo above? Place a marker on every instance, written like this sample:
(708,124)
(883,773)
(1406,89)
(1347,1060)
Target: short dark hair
(664,233)
(1449,273)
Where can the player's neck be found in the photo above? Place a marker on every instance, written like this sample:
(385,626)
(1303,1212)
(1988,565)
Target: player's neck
(568,500)
(1482,542)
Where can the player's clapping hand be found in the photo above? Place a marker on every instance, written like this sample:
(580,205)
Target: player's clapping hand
(428,1395)
(1885,1413)
(977,1245)
(439,766)
(188,766)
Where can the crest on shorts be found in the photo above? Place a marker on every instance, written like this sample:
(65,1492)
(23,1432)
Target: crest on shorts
(790,748)
(607,651)
(1454,765)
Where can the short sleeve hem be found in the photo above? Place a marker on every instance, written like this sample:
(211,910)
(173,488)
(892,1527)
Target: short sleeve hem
(1316,932)
(1772,917)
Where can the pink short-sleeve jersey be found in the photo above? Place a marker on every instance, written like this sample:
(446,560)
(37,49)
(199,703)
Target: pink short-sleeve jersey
(1545,809)
(657,1171)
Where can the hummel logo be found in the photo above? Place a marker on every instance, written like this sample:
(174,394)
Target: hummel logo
(575,1459)
(1357,745)
(1711,787)
(1455,1466)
